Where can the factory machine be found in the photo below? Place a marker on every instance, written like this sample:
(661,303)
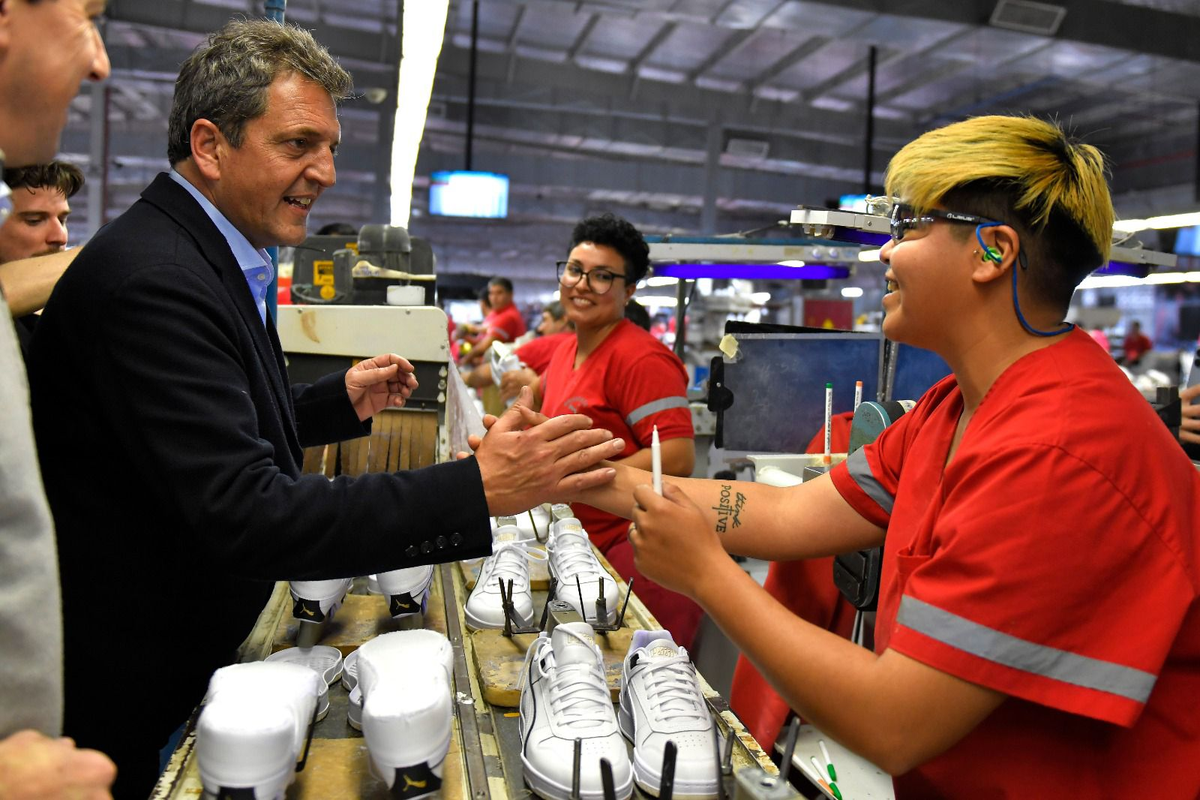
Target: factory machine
(484,758)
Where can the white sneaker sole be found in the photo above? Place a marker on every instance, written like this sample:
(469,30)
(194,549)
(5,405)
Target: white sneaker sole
(551,789)
(476,624)
(649,778)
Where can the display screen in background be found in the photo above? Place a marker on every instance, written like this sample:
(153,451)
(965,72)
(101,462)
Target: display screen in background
(468,194)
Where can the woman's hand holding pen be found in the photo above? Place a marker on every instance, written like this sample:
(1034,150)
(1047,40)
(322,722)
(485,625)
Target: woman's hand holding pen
(673,544)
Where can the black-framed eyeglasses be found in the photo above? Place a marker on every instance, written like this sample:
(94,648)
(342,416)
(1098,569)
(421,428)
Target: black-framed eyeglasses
(905,219)
(599,280)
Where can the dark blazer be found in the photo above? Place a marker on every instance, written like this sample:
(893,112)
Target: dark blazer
(170,445)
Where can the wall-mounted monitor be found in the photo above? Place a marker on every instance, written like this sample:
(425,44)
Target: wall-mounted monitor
(1187,241)
(468,194)
(853,202)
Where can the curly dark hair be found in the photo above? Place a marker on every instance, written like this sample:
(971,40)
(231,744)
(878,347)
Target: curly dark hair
(619,234)
(66,178)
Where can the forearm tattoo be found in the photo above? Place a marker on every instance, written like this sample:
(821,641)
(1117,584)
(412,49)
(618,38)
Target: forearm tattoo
(729,508)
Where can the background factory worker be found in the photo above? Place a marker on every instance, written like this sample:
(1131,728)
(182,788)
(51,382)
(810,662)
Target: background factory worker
(534,348)
(37,224)
(46,51)
(626,381)
(1136,344)
(1038,621)
(177,495)
(503,322)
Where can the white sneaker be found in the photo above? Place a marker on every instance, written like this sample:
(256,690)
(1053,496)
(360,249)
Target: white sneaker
(565,698)
(661,702)
(406,590)
(509,560)
(571,558)
(324,660)
(404,680)
(318,601)
(254,723)
(425,645)
(350,682)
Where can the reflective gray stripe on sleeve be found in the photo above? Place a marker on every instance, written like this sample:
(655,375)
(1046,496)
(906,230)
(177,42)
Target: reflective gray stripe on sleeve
(860,472)
(1036,659)
(653,407)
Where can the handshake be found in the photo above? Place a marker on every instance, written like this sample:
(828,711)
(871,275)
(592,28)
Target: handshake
(526,459)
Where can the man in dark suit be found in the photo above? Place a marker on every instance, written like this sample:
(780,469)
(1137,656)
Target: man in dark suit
(171,441)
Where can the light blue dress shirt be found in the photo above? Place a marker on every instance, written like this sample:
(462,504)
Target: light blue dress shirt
(255,264)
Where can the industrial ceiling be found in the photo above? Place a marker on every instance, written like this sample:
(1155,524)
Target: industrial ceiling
(683,115)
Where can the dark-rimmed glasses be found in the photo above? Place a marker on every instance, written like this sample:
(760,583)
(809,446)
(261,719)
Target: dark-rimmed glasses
(905,218)
(599,280)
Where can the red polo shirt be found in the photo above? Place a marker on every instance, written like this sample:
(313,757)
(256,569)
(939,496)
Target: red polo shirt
(505,324)
(536,354)
(1057,560)
(627,385)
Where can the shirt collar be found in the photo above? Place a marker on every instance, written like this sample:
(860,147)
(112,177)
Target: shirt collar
(244,253)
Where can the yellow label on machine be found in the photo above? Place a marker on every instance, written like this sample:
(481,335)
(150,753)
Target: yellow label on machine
(327,292)
(323,274)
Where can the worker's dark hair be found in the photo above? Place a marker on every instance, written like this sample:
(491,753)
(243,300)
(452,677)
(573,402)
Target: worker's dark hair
(620,235)
(482,296)
(502,282)
(636,313)
(555,309)
(66,178)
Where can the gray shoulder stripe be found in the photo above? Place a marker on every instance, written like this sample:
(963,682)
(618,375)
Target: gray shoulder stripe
(1036,659)
(653,407)
(860,471)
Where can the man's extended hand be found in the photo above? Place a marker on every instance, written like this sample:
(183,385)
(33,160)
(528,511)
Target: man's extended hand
(526,459)
(381,382)
(1189,429)
(35,766)
(672,543)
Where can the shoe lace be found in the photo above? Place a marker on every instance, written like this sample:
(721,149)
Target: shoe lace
(579,695)
(510,560)
(572,556)
(672,690)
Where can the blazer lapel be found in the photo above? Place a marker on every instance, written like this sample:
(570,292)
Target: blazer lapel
(175,201)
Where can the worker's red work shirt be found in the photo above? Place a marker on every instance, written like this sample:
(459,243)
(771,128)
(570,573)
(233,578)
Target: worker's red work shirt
(1054,560)
(536,353)
(628,384)
(505,324)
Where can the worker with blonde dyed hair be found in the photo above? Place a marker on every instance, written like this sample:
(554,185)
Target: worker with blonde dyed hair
(1038,624)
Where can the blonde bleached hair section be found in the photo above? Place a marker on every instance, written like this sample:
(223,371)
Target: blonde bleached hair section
(1046,169)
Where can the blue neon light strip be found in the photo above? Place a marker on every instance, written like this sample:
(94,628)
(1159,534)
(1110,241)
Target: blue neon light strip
(771,272)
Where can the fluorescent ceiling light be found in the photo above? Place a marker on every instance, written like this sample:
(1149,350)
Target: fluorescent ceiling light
(1157,223)
(869,256)
(661,280)
(852,291)
(656,301)
(791,263)
(1155,278)
(424,27)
